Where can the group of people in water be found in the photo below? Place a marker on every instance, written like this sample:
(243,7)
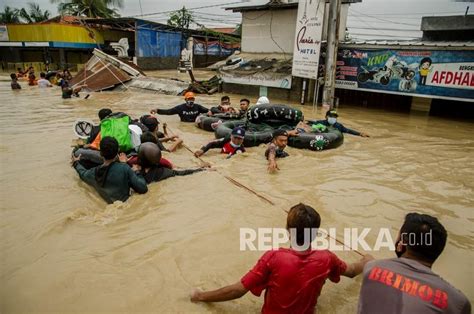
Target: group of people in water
(292,278)
(47,79)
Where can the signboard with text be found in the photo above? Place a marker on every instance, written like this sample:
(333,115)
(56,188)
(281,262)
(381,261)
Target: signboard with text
(426,73)
(309,28)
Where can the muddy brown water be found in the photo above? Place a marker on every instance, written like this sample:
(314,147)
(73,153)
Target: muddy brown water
(63,249)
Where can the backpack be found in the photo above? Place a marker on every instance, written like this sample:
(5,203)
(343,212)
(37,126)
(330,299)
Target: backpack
(116,126)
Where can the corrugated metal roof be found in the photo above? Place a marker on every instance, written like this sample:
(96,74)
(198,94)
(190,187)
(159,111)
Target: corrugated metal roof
(411,43)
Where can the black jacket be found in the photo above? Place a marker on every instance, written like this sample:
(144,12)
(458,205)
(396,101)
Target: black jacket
(187,114)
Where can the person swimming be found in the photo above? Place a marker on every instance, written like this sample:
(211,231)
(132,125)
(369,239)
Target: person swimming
(149,157)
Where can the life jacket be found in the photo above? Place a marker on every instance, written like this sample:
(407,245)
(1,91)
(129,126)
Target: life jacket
(230,150)
(116,126)
(96,142)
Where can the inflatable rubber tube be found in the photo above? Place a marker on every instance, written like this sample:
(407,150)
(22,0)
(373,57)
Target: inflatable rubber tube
(254,134)
(89,157)
(317,141)
(83,128)
(209,123)
(283,113)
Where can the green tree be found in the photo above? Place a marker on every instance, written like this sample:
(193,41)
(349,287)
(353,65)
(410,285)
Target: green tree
(9,15)
(238,30)
(181,18)
(34,14)
(89,8)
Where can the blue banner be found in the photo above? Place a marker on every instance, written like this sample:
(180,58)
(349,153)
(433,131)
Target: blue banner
(427,73)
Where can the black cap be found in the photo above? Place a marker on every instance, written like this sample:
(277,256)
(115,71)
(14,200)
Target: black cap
(332,113)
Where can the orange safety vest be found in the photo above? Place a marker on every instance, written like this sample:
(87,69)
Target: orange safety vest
(96,143)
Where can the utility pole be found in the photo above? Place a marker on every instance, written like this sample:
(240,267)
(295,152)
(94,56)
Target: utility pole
(331,52)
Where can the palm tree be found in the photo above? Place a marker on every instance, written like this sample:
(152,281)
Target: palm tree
(9,16)
(89,8)
(35,14)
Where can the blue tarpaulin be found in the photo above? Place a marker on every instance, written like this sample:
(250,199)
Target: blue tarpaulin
(154,42)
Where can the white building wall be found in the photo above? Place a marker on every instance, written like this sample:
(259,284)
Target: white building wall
(256,36)
(257,33)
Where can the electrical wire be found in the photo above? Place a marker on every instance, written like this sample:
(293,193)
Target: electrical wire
(386,29)
(189,9)
(380,19)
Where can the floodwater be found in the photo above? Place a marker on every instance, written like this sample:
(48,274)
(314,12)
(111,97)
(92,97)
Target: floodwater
(63,249)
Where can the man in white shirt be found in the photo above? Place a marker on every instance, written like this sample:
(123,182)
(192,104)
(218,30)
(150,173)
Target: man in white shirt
(43,82)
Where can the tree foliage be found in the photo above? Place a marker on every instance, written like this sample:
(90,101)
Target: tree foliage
(89,8)
(10,15)
(181,18)
(34,14)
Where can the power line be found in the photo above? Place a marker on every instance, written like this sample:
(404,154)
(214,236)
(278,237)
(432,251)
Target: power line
(418,13)
(367,35)
(370,26)
(190,9)
(386,29)
(383,20)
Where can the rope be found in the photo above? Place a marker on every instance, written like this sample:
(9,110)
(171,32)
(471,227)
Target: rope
(233,181)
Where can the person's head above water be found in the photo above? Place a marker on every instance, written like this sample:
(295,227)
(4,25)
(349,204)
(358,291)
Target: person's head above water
(263,101)
(150,122)
(331,116)
(421,237)
(237,136)
(148,155)
(280,138)
(301,217)
(244,104)
(189,97)
(225,101)
(109,148)
(103,113)
(148,137)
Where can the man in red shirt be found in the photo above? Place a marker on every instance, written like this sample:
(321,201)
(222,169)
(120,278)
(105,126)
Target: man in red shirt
(292,278)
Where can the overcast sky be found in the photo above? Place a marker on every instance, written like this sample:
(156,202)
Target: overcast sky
(380,19)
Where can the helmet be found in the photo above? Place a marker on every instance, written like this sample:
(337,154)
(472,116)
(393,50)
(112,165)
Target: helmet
(189,95)
(263,101)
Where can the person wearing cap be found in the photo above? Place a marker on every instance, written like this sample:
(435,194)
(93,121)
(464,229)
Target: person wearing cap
(228,145)
(331,120)
(276,149)
(187,112)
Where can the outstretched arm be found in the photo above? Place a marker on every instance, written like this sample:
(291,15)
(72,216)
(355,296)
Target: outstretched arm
(355,269)
(227,293)
(213,144)
(272,164)
(171,111)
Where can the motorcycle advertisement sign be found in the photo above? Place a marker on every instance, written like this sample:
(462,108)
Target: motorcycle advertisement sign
(309,28)
(437,74)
